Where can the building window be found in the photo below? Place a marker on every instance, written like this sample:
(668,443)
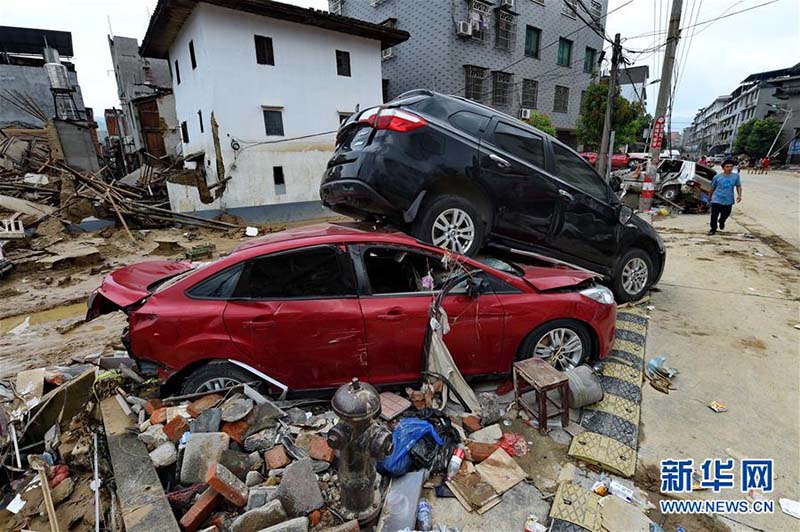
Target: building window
(530,93)
(388,53)
(185,132)
(478,19)
(335,6)
(343,117)
(200,120)
(533,37)
(273,122)
(505,31)
(588,60)
(191,55)
(569,7)
(564,52)
(561,100)
(501,88)
(177,72)
(583,99)
(343,63)
(264,53)
(279,180)
(473,87)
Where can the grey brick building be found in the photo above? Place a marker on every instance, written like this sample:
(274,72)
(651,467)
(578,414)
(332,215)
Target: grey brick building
(510,54)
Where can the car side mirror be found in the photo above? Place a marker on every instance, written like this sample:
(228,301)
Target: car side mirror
(624,213)
(476,285)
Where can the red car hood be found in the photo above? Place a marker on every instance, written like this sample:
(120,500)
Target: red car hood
(129,284)
(543,278)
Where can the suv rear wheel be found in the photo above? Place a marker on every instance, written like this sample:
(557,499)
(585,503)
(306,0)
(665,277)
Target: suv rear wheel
(634,276)
(451,222)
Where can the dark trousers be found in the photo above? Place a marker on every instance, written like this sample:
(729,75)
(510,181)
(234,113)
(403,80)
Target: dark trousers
(719,212)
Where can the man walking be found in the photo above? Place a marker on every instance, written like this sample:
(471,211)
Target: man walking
(722,195)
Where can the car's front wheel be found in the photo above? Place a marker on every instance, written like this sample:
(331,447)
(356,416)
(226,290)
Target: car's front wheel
(565,344)
(671,193)
(453,223)
(215,376)
(633,276)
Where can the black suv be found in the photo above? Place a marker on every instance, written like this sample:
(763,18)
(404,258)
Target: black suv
(462,175)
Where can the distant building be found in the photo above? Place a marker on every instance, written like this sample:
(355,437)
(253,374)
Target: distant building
(144,86)
(762,95)
(260,89)
(517,56)
(22,71)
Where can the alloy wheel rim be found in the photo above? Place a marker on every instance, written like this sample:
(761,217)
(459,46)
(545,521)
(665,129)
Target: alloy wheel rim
(218,383)
(634,276)
(453,229)
(561,347)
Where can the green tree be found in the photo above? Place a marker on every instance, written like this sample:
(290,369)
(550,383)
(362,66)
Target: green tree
(542,122)
(629,119)
(756,136)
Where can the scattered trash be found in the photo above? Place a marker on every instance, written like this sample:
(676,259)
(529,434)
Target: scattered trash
(717,406)
(660,377)
(251,231)
(790,507)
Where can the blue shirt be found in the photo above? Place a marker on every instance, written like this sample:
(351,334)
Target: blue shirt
(723,186)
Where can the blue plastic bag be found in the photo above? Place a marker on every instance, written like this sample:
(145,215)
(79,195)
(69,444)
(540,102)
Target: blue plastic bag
(407,433)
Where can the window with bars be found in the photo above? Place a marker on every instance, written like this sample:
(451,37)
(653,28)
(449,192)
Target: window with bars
(589,60)
(273,122)
(473,86)
(501,88)
(335,6)
(479,19)
(343,63)
(568,8)
(264,51)
(564,52)
(505,31)
(561,100)
(533,37)
(530,93)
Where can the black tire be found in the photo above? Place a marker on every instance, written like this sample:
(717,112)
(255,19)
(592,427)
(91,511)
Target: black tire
(623,294)
(526,349)
(424,224)
(671,193)
(215,370)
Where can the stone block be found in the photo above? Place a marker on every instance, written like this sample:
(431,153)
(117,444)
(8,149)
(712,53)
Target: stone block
(202,450)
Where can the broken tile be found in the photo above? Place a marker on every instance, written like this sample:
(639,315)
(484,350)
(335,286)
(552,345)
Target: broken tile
(236,408)
(261,441)
(392,405)
(208,421)
(276,457)
(260,495)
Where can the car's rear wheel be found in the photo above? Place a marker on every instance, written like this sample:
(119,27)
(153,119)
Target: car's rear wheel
(565,344)
(670,193)
(453,223)
(215,376)
(633,277)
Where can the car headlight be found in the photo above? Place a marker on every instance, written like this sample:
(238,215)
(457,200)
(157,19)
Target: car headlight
(601,294)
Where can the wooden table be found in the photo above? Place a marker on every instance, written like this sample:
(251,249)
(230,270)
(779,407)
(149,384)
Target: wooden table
(537,374)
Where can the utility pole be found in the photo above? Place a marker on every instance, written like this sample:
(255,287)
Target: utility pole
(664,90)
(612,92)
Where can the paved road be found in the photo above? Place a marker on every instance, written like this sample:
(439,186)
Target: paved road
(773,200)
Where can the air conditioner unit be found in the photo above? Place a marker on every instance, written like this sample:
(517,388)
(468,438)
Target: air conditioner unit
(524,114)
(386,53)
(464,29)
(507,3)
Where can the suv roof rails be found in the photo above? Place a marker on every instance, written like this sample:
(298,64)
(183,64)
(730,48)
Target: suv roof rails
(414,92)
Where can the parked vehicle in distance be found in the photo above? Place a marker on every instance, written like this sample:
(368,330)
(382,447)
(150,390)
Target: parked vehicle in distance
(312,307)
(718,158)
(683,179)
(669,154)
(618,160)
(461,175)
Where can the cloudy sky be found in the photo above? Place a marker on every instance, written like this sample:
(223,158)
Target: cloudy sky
(718,56)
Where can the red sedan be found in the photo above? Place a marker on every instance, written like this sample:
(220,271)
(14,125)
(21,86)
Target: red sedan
(618,160)
(313,307)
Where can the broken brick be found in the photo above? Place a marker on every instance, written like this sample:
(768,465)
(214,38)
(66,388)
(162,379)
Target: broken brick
(204,403)
(318,449)
(235,430)
(159,416)
(314,517)
(481,451)
(200,510)
(471,423)
(152,405)
(227,484)
(276,457)
(175,428)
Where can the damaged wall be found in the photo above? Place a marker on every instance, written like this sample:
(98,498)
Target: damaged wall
(31,80)
(303,84)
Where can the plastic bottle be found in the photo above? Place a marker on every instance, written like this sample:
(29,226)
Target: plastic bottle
(424,516)
(455,461)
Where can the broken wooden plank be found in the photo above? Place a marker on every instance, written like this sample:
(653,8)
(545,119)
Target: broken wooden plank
(144,506)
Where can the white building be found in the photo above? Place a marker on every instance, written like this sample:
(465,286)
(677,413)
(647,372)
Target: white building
(276,79)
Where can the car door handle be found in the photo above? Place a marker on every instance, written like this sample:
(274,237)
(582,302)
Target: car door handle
(394,314)
(499,161)
(260,322)
(566,194)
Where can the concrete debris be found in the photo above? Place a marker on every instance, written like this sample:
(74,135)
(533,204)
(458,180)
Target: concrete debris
(299,524)
(236,408)
(201,452)
(299,490)
(164,455)
(268,515)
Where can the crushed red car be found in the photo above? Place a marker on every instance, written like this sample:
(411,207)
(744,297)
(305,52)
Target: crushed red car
(313,307)
(618,160)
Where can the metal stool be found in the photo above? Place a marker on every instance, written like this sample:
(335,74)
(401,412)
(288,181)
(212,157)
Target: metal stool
(542,378)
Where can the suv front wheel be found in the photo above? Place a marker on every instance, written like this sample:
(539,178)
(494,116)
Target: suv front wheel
(453,223)
(633,276)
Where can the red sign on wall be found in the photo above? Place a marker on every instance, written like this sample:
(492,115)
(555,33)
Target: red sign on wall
(658,133)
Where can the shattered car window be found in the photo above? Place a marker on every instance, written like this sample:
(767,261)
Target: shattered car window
(399,271)
(498,264)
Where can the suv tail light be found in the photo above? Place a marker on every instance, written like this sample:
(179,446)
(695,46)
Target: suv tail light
(391,119)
